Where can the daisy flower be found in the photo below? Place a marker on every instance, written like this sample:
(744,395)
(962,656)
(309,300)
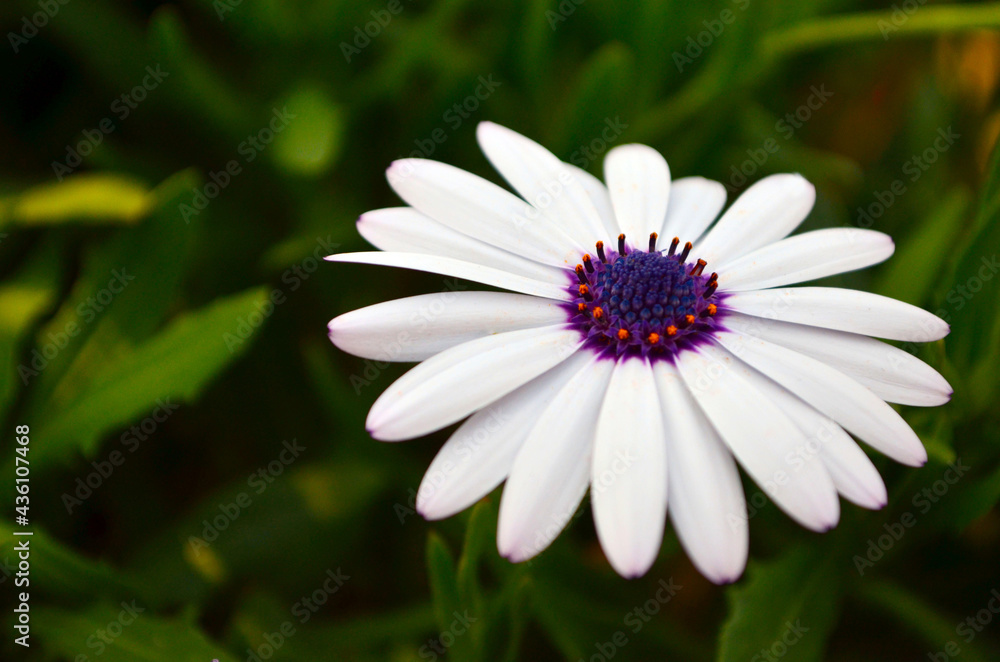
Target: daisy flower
(642,351)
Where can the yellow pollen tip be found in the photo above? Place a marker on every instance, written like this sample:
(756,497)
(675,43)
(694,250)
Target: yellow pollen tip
(598,313)
(622,334)
(581,306)
(653,338)
(689,319)
(671,330)
(712,309)
(584,289)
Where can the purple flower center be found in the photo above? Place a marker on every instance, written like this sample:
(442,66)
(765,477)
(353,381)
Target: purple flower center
(649,303)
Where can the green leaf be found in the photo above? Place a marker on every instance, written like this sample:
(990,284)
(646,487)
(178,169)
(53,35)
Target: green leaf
(479,537)
(84,198)
(95,325)
(198,86)
(603,97)
(27,296)
(920,260)
(177,363)
(123,632)
(967,501)
(443,578)
(370,632)
(975,319)
(922,619)
(64,573)
(313,509)
(718,80)
(449,608)
(879,26)
(790,602)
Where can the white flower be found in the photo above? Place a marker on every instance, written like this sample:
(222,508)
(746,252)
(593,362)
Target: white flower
(644,367)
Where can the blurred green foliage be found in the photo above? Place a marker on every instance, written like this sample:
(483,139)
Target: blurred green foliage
(171,175)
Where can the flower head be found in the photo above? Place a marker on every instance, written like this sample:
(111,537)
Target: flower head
(641,354)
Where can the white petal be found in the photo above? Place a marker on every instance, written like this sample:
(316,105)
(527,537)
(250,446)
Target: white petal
(628,481)
(761,436)
(447,266)
(451,385)
(852,472)
(807,256)
(638,180)
(479,455)
(844,310)
(599,195)
(694,203)
(482,210)
(766,212)
(706,499)
(406,230)
(552,469)
(542,179)
(417,328)
(856,408)
(891,373)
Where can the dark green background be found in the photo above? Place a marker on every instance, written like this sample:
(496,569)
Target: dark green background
(185,331)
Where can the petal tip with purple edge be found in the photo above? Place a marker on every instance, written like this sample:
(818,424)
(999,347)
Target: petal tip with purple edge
(724,580)
(426,511)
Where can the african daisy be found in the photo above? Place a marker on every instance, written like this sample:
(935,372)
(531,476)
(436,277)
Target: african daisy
(641,353)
